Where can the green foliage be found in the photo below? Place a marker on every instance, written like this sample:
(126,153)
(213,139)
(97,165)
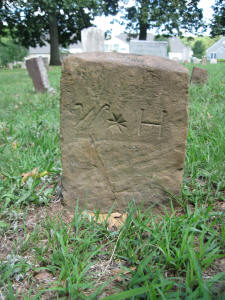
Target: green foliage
(206,40)
(218,21)
(198,49)
(58,22)
(29,20)
(168,16)
(11,51)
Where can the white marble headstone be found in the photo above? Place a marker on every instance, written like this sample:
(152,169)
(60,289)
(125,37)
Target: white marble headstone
(92,39)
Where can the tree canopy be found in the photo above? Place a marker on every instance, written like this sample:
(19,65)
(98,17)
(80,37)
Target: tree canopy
(10,51)
(218,21)
(198,49)
(171,17)
(58,22)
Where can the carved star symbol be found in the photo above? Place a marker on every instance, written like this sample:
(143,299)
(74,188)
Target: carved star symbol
(118,121)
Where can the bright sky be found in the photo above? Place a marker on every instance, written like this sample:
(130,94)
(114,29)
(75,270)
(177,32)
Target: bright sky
(104,22)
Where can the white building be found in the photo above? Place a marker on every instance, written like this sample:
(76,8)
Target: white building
(217,50)
(178,51)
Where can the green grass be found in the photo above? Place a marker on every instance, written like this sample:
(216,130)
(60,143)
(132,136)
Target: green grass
(178,256)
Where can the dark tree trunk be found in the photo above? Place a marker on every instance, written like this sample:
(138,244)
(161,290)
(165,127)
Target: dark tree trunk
(143,19)
(54,40)
(143,31)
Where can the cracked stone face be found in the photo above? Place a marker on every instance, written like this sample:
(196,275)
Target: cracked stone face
(123,129)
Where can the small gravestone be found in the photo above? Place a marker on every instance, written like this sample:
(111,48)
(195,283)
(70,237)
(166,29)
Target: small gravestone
(10,66)
(204,61)
(149,48)
(38,73)
(199,76)
(23,65)
(92,39)
(124,129)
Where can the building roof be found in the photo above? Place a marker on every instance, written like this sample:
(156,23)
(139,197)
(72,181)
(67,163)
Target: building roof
(176,45)
(217,45)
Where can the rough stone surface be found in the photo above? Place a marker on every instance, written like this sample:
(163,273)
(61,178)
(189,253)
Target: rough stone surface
(123,129)
(199,76)
(92,39)
(38,73)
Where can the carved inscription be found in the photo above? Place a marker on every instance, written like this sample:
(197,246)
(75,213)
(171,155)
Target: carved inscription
(156,124)
(117,121)
(90,117)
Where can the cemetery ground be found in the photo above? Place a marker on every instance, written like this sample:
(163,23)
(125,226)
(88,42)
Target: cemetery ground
(46,253)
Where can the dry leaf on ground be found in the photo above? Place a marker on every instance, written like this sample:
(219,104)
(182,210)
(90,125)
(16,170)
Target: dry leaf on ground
(115,220)
(122,272)
(44,276)
(34,173)
(14,145)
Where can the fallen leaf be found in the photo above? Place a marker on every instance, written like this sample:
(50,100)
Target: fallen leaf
(44,276)
(14,145)
(121,272)
(209,116)
(42,174)
(2,177)
(115,220)
(32,173)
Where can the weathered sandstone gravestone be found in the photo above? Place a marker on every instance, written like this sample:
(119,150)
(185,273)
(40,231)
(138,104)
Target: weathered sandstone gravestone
(92,39)
(38,73)
(124,129)
(199,76)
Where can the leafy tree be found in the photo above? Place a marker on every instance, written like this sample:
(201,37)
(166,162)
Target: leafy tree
(58,22)
(206,40)
(218,21)
(10,51)
(170,16)
(198,49)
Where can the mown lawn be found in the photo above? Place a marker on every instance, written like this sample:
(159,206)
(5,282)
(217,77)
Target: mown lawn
(49,253)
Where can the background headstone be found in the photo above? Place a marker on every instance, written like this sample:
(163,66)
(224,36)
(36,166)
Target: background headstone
(148,48)
(124,129)
(204,61)
(45,60)
(196,60)
(23,65)
(10,66)
(92,39)
(199,76)
(38,73)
